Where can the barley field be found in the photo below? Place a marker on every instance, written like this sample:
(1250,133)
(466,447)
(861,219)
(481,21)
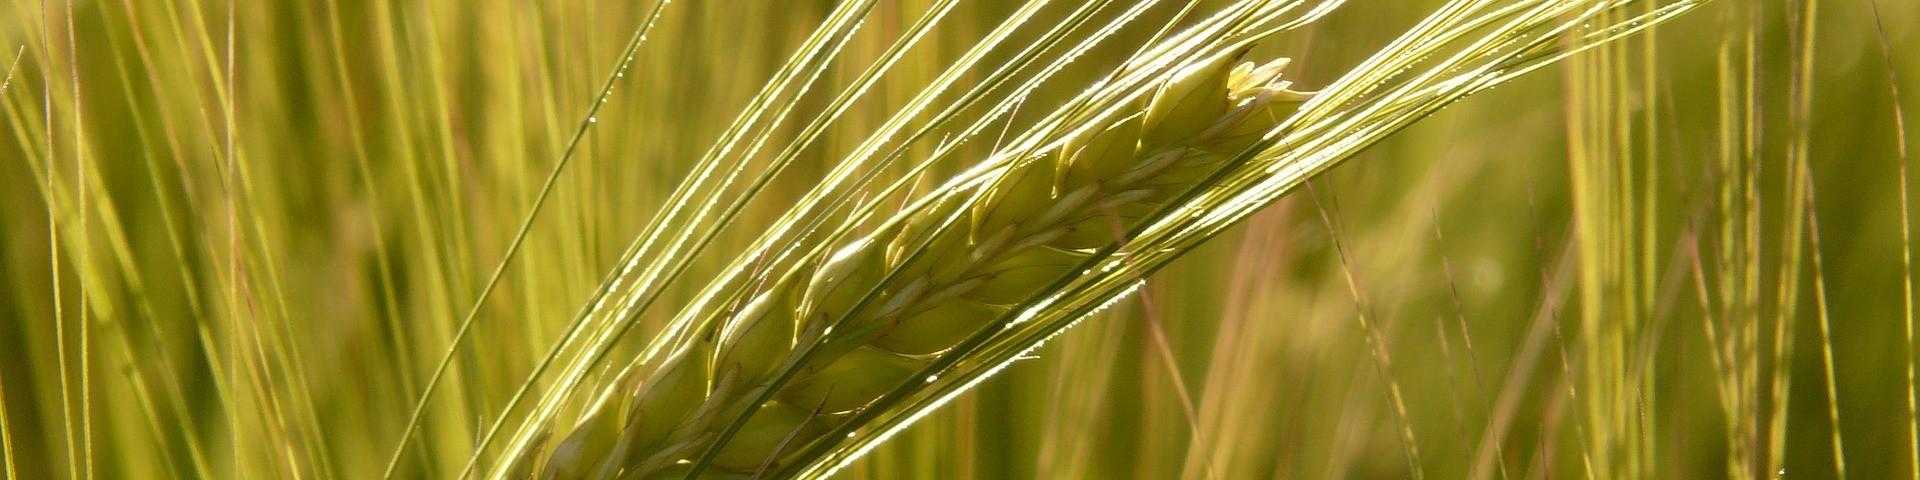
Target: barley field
(959,239)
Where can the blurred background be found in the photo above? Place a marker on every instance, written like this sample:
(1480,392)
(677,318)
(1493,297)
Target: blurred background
(237,236)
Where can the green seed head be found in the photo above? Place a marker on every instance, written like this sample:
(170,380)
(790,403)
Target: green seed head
(938,277)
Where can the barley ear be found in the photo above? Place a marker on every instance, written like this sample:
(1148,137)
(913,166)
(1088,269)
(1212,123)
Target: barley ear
(841,331)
